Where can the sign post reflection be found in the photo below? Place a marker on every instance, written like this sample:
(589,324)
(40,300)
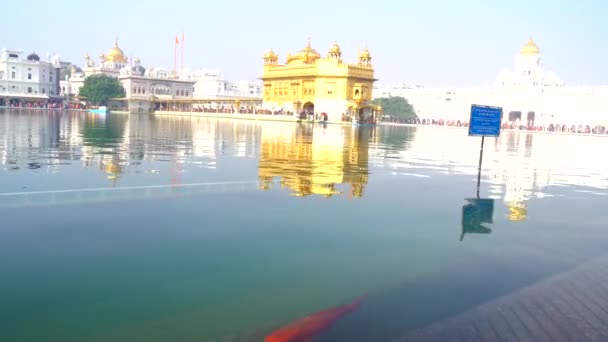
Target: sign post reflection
(474,214)
(484,121)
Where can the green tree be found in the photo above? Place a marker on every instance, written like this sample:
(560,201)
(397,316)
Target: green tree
(396,106)
(98,89)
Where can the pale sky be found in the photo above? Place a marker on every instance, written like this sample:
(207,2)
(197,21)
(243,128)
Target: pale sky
(433,42)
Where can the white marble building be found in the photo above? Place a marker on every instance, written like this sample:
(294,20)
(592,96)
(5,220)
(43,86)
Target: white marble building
(528,93)
(140,84)
(210,84)
(160,84)
(27,78)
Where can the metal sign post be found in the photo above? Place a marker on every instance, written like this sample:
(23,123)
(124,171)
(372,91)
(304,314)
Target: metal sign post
(479,168)
(485,121)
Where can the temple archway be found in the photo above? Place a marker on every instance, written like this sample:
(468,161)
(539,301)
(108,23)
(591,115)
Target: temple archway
(530,118)
(309,108)
(514,116)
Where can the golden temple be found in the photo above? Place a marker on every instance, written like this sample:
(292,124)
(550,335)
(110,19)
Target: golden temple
(326,87)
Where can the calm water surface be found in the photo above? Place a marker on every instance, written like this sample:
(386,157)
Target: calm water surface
(149,228)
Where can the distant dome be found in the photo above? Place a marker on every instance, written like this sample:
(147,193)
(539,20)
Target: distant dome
(306,55)
(530,48)
(116,54)
(33,57)
(138,70)
(270,54)
(365,54)
(335,48)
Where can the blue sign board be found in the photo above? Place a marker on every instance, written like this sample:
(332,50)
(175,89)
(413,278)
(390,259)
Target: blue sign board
(485,121)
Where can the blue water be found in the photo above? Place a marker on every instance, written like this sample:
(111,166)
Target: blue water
(152,228)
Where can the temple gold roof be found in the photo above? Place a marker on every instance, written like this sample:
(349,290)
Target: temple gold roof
(306,55)
(335,48)
(270,54)
(530,48)
(116,54)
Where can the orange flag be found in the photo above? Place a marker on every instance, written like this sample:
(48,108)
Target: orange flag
(176,40)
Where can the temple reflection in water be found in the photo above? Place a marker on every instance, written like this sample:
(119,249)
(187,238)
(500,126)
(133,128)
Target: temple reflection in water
(130,150)
(320,160)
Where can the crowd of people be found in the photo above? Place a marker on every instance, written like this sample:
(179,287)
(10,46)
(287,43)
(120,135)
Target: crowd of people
(232,110)
(43,105)
(513,125)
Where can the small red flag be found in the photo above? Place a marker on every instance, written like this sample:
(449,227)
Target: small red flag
(176,40)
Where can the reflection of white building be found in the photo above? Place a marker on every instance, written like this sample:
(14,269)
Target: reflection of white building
(528,93)
(27,77)
(204,139)
(518,165)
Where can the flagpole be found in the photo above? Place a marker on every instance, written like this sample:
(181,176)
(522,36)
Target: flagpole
(183,40)
(175,58)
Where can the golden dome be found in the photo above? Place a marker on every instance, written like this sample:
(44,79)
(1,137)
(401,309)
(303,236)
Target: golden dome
(306,55)
(365,54)
(530,48)
(335,48)
(271,54)
(115,54)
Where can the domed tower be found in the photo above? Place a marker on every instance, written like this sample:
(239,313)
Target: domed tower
(335,52)
(33,57)
(271,58)
(88,62)
(529,63)
(307,55)
(530,48)
(116,54)
(115,58)
(365,58)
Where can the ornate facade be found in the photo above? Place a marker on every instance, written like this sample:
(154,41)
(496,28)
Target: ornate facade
(143,87)
(312,84)
(27,78)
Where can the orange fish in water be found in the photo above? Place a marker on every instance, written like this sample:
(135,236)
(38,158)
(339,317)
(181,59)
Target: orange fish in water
(308,327)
